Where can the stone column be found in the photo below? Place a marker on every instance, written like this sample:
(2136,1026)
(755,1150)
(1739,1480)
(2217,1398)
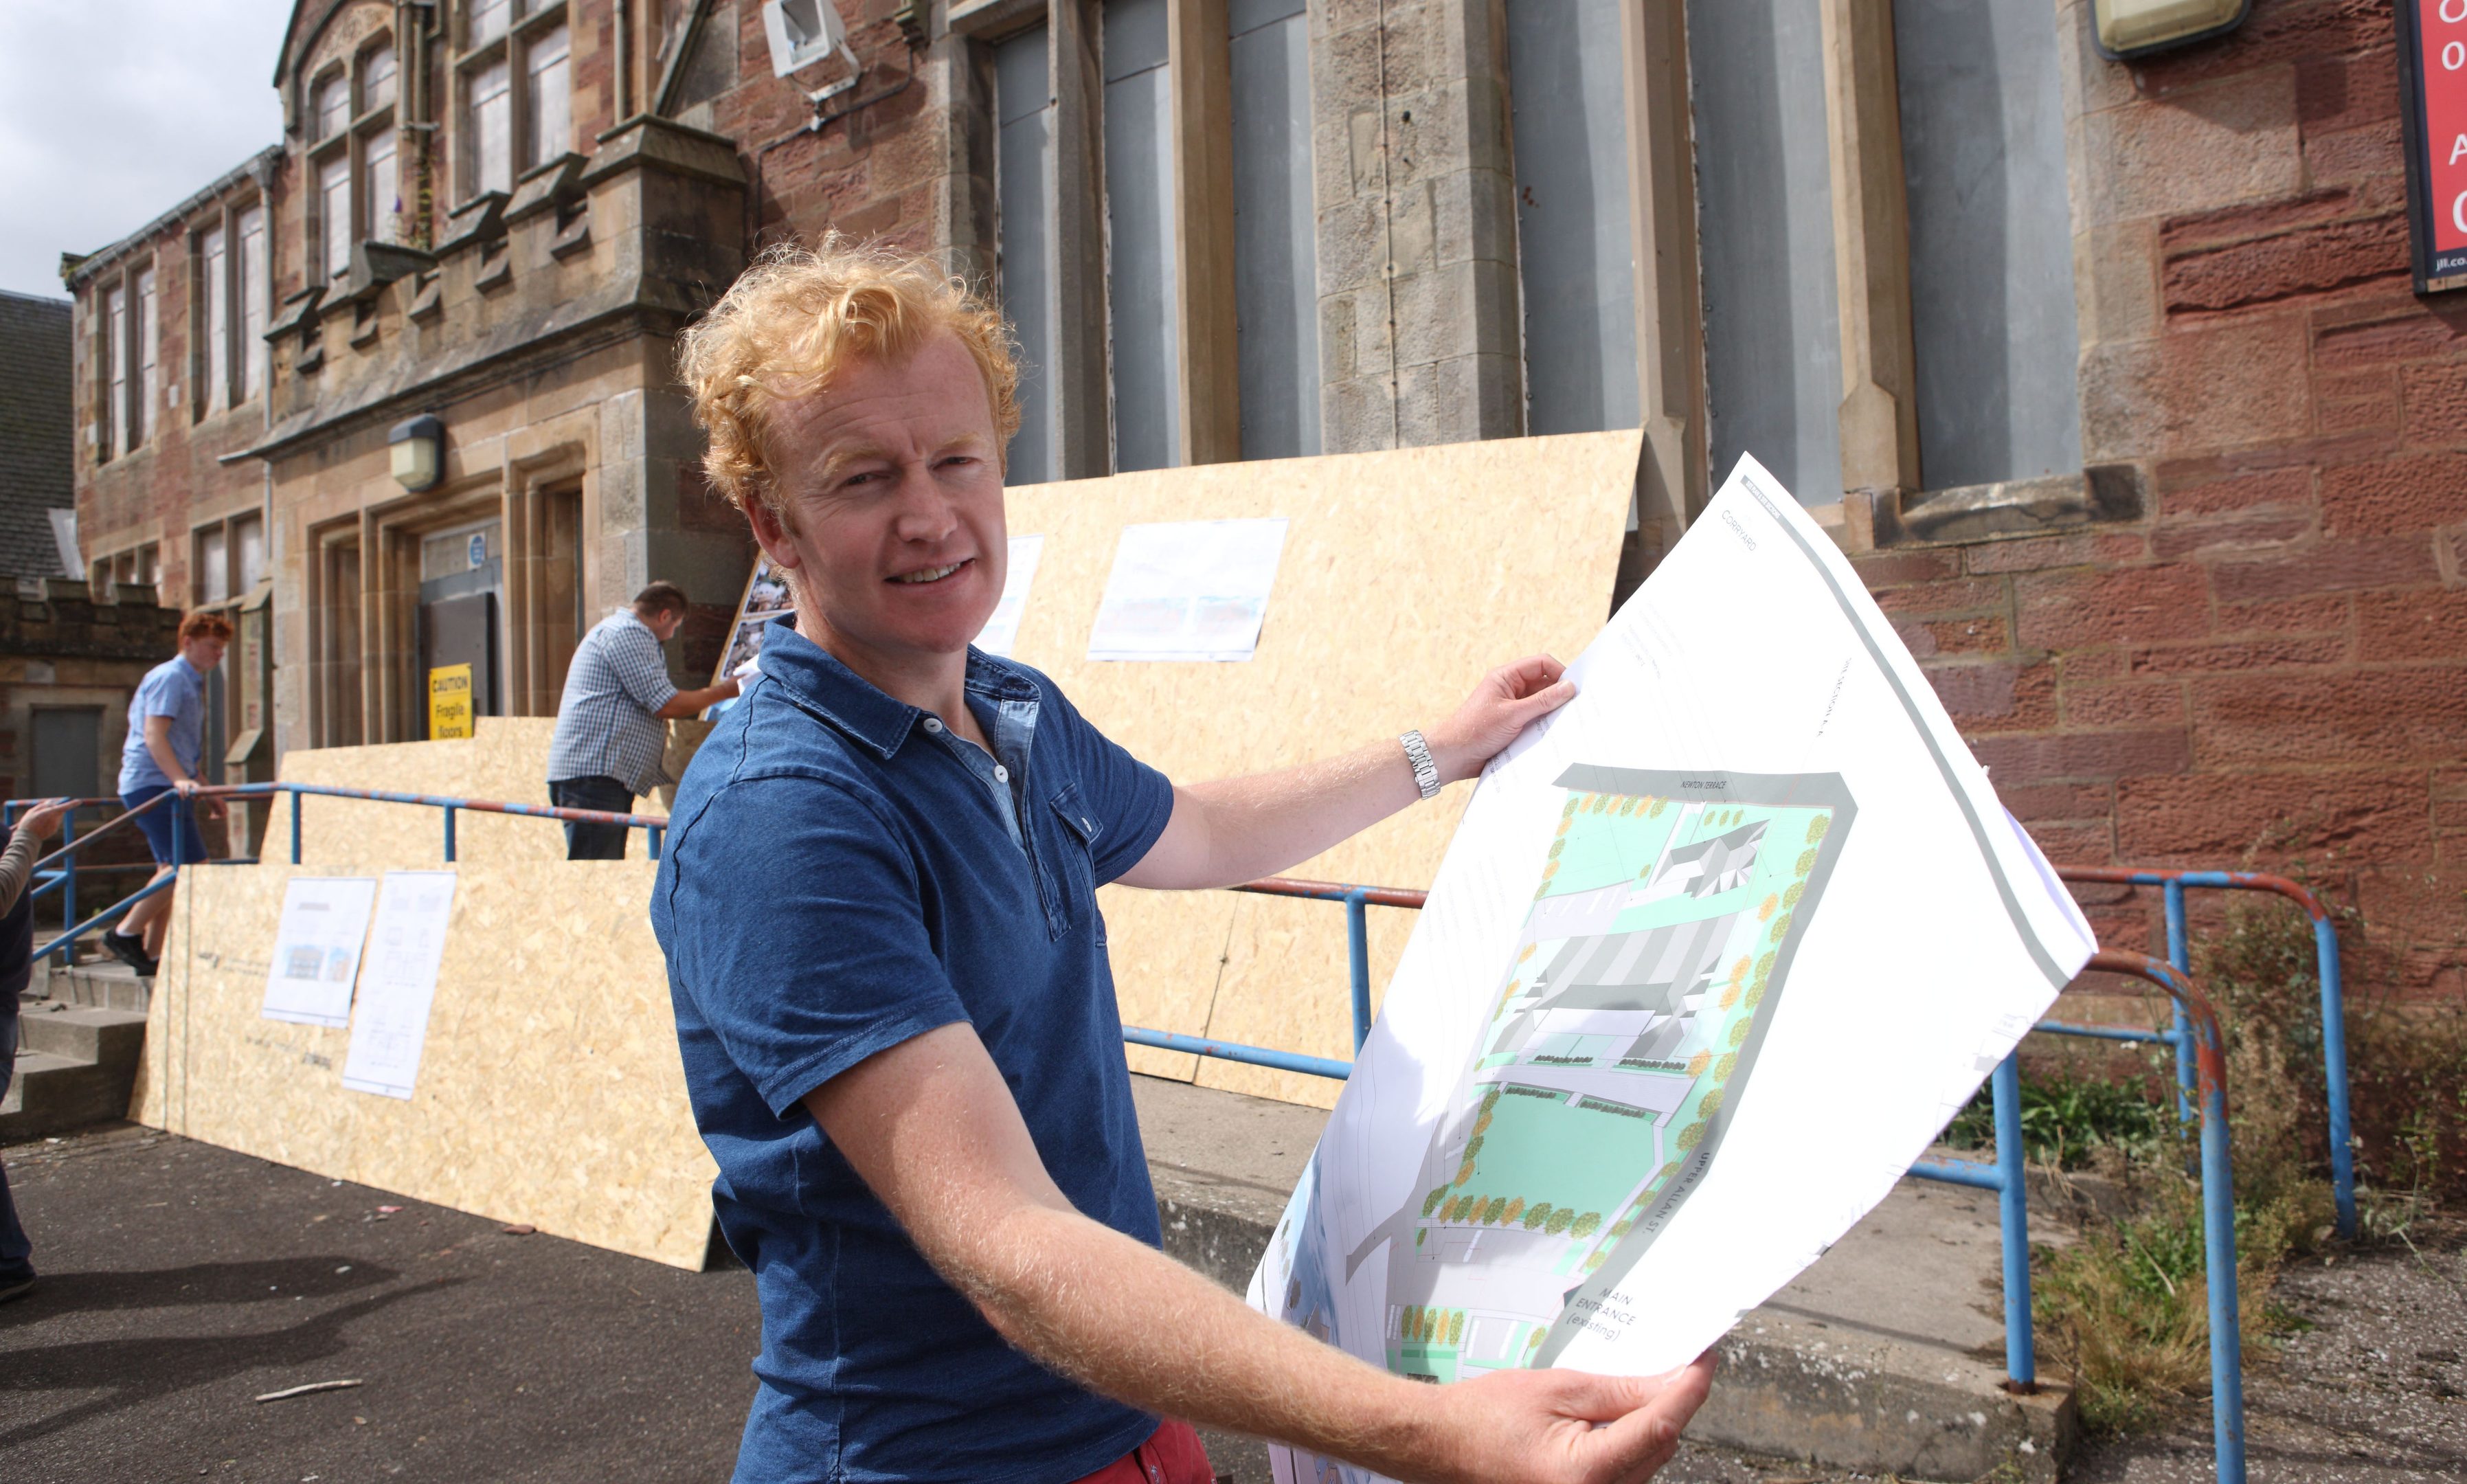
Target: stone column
(1420,321)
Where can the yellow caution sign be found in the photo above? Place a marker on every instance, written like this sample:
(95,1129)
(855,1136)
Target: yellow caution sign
(449,701)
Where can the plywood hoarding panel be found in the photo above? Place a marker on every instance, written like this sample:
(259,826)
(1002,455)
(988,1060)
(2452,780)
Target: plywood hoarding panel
(549,1090)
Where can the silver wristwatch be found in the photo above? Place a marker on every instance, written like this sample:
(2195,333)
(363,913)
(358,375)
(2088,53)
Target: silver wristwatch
(1426,773)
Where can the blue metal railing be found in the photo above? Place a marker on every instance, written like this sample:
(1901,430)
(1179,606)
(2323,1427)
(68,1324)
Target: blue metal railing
(59,863)
(2172,884)
(2200,1047)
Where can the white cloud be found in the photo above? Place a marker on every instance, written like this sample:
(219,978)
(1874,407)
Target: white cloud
(114,111)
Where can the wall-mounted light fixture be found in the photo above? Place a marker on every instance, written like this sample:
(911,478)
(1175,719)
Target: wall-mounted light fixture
(2123,29)
(418,452)
(804,32)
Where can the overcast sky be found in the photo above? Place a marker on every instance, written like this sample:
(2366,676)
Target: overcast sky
(114,111)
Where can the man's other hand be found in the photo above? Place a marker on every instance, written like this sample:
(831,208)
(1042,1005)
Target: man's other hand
(1500,706)
(1571,1428)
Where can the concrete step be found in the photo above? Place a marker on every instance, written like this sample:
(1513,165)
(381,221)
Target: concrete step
(76,1066)
(84,1033)
(1885,1358)
(105,984)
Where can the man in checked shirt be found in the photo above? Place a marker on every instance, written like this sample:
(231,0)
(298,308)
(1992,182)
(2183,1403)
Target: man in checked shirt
(609,740)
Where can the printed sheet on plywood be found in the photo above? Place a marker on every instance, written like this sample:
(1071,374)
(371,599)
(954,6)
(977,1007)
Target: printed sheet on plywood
(1715,953)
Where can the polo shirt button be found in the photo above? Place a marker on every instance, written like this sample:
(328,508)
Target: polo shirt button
(1002,774)
(933,724)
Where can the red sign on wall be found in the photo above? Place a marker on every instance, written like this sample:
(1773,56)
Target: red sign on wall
(2432,59)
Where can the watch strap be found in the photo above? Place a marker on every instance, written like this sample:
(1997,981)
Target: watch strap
(1426,773)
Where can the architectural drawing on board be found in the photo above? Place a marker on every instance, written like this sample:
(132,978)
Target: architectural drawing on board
(1626,1029)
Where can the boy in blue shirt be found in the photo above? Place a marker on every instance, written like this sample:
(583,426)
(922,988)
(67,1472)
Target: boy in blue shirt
(166,743)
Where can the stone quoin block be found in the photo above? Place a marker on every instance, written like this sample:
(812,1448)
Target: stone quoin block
(2237,491)
(2270,652)
(2062,610)
(2081,756)
(2412,626)
(2217,818)
(2358,718)
(2412,492)
(2329,566)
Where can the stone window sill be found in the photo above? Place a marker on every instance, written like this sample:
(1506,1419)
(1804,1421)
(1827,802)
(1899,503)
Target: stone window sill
(1984,512)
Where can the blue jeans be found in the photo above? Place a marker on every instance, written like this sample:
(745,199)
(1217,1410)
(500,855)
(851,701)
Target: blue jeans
(14,1248)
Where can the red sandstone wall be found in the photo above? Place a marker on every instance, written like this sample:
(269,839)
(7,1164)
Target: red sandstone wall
(2270,665)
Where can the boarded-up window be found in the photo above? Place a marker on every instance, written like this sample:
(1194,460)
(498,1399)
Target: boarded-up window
(1139,210)
(549,99)
(149,357)
(115,351)
(332,106)
(489,19)
(492,128)
(1764,206)
(254,288)
(1992,314)
(334,213)
(376,77)
(213,566)
(1024,189)
(214,274)
(248,552)
(1576,245)
(385,195)
(1276,254)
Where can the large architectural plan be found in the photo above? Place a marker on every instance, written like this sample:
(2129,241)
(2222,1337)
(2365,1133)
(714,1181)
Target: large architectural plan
(1716,951)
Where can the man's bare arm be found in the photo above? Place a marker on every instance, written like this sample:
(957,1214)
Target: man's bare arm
(690,703)
(932,1130)
(1233,831)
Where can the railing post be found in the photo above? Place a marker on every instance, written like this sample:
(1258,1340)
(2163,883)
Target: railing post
(653,836)
(2179,953)
(68,881)
(449,835)
(2013,1209)
(2334,1059)
(1357,948)
(2219,1254)
(295,826)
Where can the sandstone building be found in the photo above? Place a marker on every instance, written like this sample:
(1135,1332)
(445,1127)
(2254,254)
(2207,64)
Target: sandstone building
(2109,372)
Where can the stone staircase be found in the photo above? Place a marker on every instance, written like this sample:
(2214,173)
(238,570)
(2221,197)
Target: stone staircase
(79,1033)
(76,1064)
(101,984)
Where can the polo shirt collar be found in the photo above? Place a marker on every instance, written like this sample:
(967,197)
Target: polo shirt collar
(816,680)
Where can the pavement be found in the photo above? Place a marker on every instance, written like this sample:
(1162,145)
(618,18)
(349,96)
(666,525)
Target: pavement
(183,1281)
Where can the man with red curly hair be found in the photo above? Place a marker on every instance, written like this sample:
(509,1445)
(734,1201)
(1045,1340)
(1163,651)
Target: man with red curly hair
(166,743)
(878,907)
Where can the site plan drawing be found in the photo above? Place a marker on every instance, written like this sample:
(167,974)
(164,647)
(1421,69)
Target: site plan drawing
(1716,951)
(317,949)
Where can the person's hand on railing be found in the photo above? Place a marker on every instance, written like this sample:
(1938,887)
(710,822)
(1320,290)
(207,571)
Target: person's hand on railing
(195,790)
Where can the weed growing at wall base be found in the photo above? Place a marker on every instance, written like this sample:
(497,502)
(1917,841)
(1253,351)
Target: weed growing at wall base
(2125,1307)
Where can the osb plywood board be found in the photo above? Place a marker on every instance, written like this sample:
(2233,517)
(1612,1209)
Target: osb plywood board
(550,1088)
(505,761)
(1405,575)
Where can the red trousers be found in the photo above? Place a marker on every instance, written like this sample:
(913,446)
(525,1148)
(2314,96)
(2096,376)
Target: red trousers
(1171,1455)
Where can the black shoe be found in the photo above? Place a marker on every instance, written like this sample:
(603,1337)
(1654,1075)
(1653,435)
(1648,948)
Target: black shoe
(129,949)
(15,1288)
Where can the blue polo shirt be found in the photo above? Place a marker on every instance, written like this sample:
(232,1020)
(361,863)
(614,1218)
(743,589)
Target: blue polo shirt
(843,873)
(174,689)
